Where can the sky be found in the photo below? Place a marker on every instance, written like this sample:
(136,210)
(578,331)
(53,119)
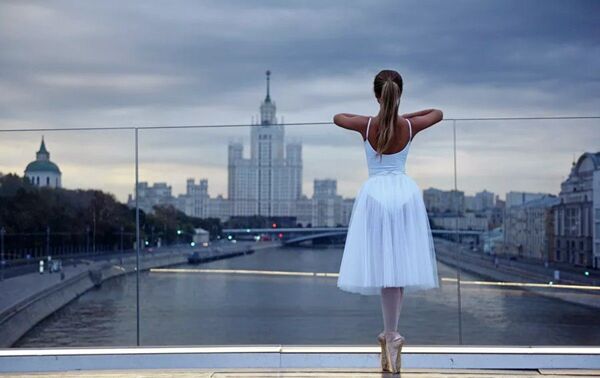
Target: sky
(67,64)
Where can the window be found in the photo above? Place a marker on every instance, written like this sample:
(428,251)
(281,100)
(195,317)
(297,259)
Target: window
(572,221)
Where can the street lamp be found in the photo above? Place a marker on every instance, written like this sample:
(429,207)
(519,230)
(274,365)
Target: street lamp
(48,242)
(122,229)
(2,232)
(87,238)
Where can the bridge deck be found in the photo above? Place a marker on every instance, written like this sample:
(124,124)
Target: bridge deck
(298,360)
(338,373)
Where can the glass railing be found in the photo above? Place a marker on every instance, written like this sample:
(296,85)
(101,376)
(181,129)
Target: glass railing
(240,238)
(532,276)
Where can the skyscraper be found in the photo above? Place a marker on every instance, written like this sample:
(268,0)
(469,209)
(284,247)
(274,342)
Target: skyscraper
(270,181)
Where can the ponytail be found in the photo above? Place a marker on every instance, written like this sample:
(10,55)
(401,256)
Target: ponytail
(390,100)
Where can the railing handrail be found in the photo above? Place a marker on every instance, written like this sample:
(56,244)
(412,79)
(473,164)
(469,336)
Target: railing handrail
(224,125)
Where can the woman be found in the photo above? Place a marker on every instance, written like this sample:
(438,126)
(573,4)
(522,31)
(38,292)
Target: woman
(389,247)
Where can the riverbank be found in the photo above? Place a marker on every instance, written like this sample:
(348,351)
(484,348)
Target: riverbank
(446,253)
(27,299)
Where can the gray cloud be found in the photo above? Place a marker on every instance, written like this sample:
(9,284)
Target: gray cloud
(73,64)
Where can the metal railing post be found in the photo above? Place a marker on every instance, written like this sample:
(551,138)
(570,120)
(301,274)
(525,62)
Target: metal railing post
(457,241)
(137,242)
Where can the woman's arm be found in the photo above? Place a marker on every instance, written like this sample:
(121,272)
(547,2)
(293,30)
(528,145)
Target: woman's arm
(351,121)
(423,119)
(349,115)
(419,113)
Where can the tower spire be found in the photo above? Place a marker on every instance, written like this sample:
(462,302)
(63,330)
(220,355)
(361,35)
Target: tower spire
(268,99)
(43,153)
(267,107)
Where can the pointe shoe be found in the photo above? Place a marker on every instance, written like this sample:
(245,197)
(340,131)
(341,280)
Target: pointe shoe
(393,348)
(384,361)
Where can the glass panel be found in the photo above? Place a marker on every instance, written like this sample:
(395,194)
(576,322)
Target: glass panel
(530,273)
(263,292)
(65,229)
(525,243)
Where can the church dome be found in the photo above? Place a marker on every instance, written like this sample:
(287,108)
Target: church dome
(42,166)
(42,162)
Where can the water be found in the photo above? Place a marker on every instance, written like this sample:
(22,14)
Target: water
(224,309)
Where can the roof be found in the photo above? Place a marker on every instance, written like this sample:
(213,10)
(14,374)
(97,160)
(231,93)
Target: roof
(43,147)
(544,201)
(42,166)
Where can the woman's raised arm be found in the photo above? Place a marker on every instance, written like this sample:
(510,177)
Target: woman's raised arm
(423,119)
(351,121)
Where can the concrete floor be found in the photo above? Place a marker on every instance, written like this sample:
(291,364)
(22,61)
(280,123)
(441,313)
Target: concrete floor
(297,373)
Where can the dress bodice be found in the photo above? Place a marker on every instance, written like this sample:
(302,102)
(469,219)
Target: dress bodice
(386,163)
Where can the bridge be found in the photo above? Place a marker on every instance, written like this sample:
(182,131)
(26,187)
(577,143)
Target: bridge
(297,235)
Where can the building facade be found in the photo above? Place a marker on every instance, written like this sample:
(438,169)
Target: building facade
(150,195)
(576,219)
(514,198)
(327,204)
(444,201)
(530,228)
(195,201)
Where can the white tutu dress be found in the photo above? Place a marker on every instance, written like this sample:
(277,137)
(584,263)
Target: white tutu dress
(389,241)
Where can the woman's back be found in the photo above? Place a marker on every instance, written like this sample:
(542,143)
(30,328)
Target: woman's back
(402,134)
(392,162)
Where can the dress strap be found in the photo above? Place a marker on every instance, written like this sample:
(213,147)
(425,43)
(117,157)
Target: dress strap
(368,124)
(409,130)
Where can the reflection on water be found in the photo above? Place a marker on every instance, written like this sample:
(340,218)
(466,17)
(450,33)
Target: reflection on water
(219,309)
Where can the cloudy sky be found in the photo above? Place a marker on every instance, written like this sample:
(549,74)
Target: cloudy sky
(66,64)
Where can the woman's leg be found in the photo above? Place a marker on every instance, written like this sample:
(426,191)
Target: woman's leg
(391,304)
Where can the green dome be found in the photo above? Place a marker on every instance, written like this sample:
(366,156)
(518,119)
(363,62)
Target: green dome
(42,166)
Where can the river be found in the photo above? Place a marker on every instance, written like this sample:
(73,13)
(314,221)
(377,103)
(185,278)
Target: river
(224,309)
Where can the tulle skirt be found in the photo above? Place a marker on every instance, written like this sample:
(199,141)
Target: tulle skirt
(389,241)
